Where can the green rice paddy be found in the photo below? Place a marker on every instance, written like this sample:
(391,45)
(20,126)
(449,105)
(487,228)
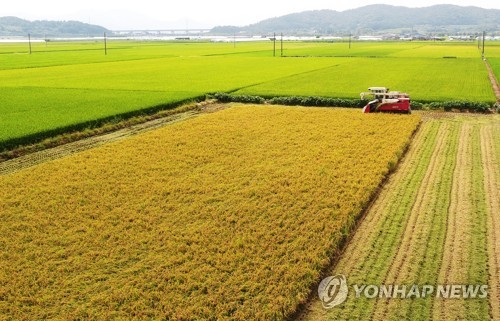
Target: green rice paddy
(63,85)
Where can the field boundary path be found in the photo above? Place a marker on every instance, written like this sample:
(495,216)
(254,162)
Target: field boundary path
(39,157)
(494,81)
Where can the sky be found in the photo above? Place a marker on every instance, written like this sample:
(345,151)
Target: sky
(189,14)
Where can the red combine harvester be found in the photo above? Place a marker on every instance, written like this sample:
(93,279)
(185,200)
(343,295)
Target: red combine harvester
(386,101)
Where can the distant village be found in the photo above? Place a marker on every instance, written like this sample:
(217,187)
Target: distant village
(207,34)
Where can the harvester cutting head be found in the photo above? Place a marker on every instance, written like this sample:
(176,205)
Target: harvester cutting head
(383,100)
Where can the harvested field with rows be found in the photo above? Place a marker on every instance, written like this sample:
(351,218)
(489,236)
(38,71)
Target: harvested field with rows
(435,222)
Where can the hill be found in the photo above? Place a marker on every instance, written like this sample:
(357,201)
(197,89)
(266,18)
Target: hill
(444,19)
(13,26)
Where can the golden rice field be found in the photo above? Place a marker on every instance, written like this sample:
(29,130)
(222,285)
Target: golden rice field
(230,215)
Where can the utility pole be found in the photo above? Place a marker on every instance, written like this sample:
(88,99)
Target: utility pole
(350,35)
(29,41)
(282,44)
(234,40)
(105,45)
(274,45)
(484,36)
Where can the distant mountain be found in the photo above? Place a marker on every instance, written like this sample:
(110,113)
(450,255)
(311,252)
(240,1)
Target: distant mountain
(376,19)
(13,26)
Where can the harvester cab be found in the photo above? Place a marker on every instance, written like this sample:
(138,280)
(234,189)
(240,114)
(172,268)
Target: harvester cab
(383,100)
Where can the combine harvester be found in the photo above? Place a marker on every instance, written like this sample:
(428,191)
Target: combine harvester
(386,101)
